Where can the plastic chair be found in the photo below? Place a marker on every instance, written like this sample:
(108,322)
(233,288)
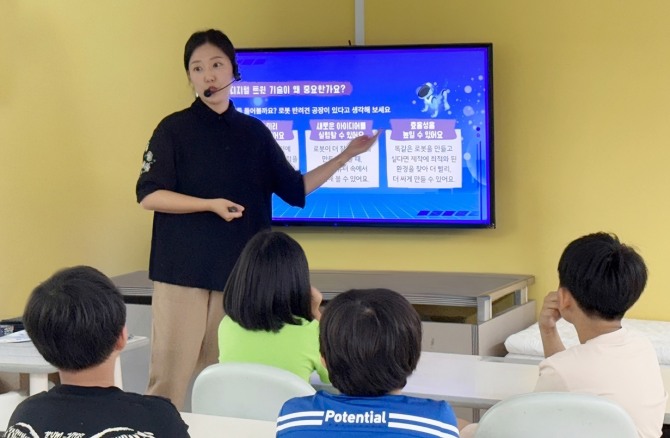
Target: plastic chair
(8,402)
(556,415)
(245,390)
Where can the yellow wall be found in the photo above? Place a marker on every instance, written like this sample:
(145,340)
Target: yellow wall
(82,86)
(580,111)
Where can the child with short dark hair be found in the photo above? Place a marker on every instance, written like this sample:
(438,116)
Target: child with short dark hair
(370,341)
(600,278)
(272,310)
(76,320)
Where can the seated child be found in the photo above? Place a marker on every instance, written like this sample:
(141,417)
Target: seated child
(370,342)
(76,319)
(599,280)
(271,310)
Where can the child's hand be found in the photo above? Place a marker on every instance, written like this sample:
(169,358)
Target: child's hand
(549,314)
(317,297)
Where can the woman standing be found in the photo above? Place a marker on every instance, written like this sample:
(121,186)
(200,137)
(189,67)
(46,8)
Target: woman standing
(208,174)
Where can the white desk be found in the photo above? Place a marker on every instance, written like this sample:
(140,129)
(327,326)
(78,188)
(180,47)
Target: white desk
(482,332)
(479,382)
(207,426)
(23,357)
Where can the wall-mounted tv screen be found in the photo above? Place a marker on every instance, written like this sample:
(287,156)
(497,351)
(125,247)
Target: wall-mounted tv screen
(433,164)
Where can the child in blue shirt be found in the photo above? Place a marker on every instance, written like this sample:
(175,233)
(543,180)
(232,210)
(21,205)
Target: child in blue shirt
(370,341)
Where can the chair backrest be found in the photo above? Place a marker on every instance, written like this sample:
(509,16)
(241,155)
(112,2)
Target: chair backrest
(8,402)
(554,415)
(245,390)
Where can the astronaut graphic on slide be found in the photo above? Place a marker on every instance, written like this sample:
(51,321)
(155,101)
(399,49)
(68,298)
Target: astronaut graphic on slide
(432,101)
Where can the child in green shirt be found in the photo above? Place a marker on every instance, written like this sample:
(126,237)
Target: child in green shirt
(272,311)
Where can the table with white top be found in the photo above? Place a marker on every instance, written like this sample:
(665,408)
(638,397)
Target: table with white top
(479,382)
(464,316)
(207,426)
(470,381)
(23,357)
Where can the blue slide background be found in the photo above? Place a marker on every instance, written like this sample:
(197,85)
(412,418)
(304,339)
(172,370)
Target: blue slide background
(386,77)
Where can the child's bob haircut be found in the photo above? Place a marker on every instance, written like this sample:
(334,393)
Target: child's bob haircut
(269,285)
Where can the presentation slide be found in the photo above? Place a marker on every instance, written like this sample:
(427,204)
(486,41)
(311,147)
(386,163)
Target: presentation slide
(432,164)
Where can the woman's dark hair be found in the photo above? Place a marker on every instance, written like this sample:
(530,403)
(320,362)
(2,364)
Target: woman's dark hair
(269,285)
(603,275)
(75,318)
(216,38)
(370,340)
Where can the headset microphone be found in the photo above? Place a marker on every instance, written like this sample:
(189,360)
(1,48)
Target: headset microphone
(209,93)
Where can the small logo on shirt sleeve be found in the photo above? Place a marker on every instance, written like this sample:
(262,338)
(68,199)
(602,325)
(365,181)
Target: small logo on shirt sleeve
(148,160)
